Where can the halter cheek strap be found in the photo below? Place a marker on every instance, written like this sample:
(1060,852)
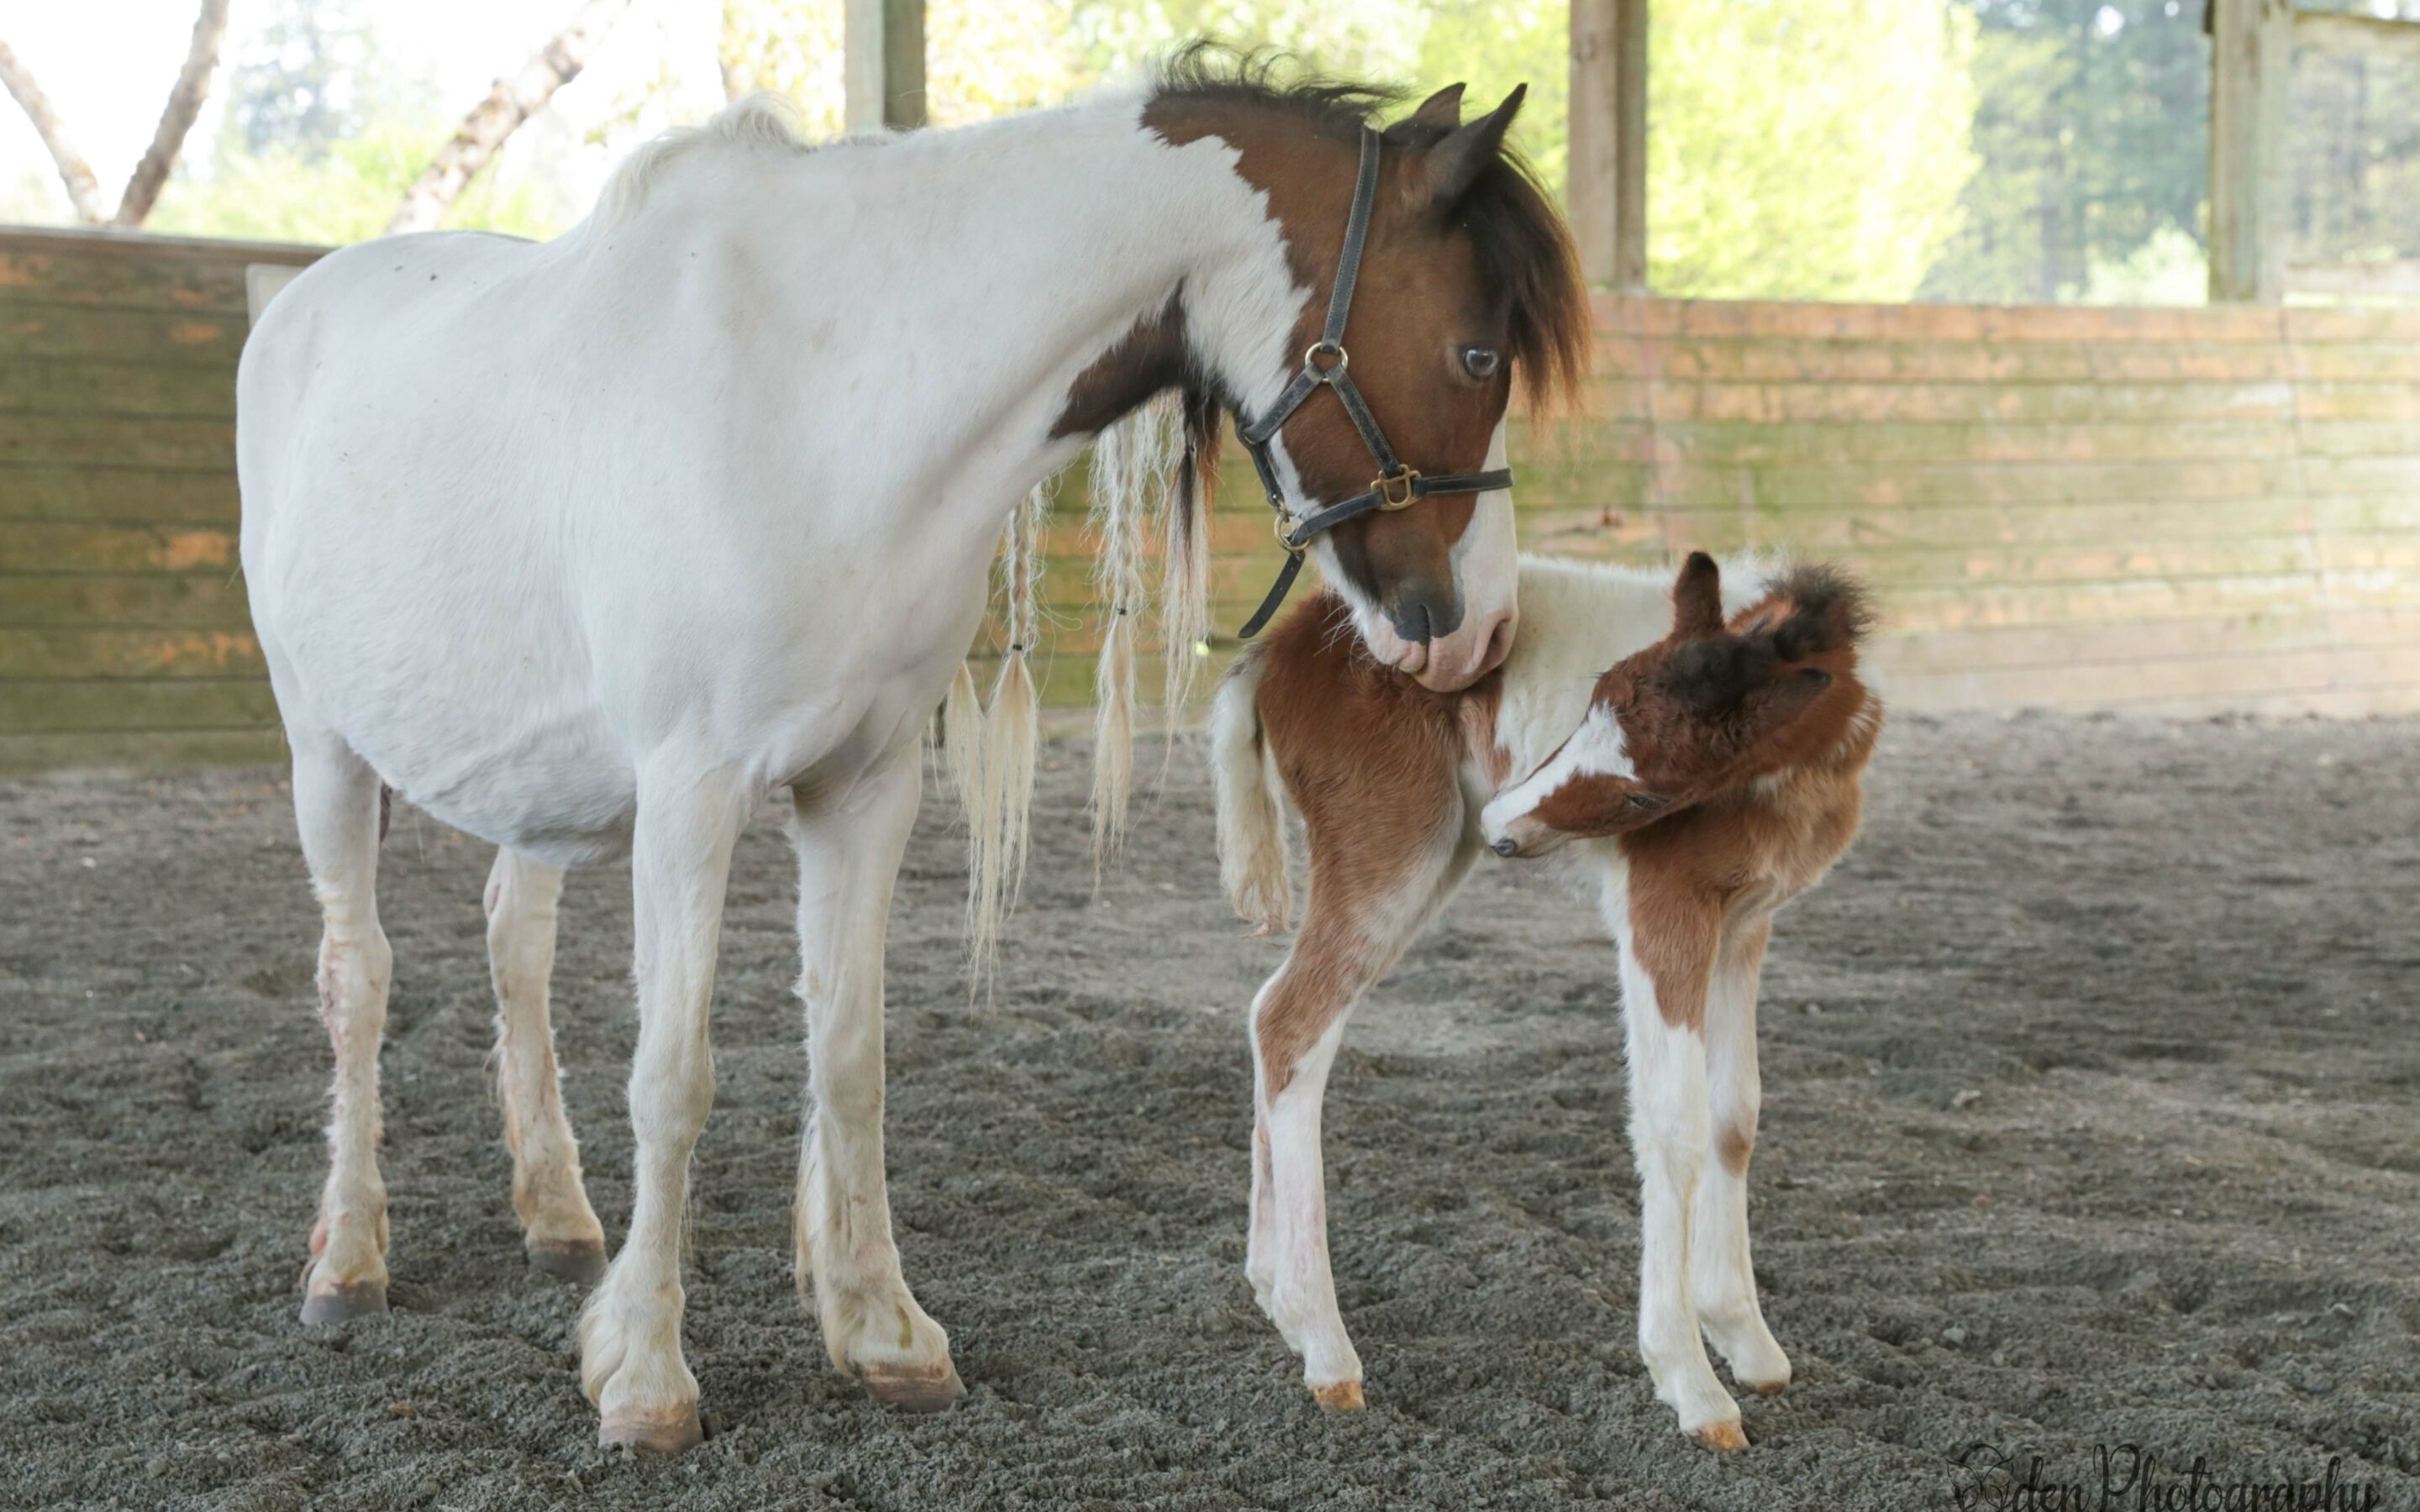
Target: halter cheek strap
(1326,366)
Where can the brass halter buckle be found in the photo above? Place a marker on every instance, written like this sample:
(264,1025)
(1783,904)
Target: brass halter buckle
(1285,532)
(1385,488)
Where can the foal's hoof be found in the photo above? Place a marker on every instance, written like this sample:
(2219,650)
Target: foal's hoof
(666,1434)
(578,1260)
(929,1390)
(1767,1388)
(345,1301)
(1344,1397)
(1723,1438)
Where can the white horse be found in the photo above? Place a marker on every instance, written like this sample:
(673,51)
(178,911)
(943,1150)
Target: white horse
(587,547)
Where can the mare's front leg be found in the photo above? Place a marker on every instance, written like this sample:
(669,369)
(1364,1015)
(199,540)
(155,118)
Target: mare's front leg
(1373,887)
(631,1362)
(1669,936)
(1722,1279)
(849,845)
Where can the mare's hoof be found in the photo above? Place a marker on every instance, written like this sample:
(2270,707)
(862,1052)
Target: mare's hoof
(929,1390)
(579,1259)
(1344,1397)
(667,1434)
(1723,1438)
(345,1301)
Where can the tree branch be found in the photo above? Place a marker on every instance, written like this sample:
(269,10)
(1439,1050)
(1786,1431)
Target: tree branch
(151,175)
(83,189)
(512,101)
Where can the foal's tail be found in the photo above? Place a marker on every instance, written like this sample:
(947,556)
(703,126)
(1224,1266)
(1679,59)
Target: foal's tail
(1251,819)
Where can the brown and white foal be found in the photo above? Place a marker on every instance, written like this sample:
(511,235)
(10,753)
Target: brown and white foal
(1711,775)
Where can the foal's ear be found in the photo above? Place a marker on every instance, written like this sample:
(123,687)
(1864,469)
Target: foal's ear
(1698,598)
(1445,173)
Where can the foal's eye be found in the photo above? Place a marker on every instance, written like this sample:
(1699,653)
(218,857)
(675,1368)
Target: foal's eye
(1480,361)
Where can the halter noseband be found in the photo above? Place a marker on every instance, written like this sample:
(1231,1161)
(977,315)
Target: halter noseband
(1325,365)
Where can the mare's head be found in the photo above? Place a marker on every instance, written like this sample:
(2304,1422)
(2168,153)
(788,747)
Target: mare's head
(1711,706)
(1467,283)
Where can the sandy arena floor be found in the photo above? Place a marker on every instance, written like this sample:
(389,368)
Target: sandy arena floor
(2092,1118)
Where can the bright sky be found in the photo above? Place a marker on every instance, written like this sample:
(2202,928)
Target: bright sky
(107,65)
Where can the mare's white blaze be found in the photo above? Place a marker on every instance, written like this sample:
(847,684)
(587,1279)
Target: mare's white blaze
(1487,559)
(1670,1128)
(1596,749)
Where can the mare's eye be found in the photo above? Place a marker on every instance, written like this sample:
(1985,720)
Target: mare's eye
(1480,361)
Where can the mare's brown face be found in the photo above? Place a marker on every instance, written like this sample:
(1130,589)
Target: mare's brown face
(1708,707)
(1436,319)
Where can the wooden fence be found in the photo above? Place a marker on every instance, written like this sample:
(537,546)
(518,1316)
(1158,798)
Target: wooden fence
(2179,511)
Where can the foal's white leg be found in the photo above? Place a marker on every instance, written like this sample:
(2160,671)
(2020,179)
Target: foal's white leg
(560,1229)
(1722,1280)
(850,846)
(1349,940)
(336,812)
(631,1362)
(1668,1130)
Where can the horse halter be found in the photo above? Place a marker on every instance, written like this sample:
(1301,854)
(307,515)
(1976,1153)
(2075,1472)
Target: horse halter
(1325,365)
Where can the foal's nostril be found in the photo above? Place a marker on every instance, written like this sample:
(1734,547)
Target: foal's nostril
(1508,847)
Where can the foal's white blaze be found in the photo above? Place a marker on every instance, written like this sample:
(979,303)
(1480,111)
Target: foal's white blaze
(1596,749)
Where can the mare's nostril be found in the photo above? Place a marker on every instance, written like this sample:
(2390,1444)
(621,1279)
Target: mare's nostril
(1508,846)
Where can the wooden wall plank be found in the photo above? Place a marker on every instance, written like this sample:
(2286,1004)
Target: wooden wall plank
(2063,504)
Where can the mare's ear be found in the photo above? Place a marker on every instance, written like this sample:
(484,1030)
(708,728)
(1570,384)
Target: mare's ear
(1444,174)
(1698,598)
(1440,112)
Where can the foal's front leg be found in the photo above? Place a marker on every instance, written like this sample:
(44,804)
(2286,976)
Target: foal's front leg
(1722,1279)
(849,847)
(1667,947)
(631,1362)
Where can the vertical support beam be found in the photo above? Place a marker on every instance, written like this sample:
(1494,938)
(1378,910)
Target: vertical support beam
(1630,139)
(1606,181)
(883,72)
(2252,59)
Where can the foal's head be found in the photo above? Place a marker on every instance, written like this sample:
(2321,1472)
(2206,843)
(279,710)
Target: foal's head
(1468,278)
(1708,707)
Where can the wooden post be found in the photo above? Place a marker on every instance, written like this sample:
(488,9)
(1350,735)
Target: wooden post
(2252,59)
(884,69)
(1607,174)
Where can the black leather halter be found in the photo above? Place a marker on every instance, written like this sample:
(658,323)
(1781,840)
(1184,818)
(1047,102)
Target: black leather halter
(1325,365)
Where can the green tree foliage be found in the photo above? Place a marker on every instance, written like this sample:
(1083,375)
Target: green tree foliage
(343,192)
(1809,150)
(2093,123)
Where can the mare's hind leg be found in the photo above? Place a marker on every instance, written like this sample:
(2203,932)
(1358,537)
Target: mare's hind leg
(1374,885)
(849,844)
(1722,1280)
(336,812)
(560,1229)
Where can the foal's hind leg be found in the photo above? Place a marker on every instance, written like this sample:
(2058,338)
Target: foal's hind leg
(1372,889)
(848,847)
(336,812)
(560,1229)
(1722,1280)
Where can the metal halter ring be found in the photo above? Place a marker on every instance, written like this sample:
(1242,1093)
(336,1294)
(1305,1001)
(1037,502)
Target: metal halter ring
(1285,532)
(1344,360)
(1385,488)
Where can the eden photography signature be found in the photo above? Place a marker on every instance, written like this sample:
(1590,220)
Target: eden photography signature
(2128,1479)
